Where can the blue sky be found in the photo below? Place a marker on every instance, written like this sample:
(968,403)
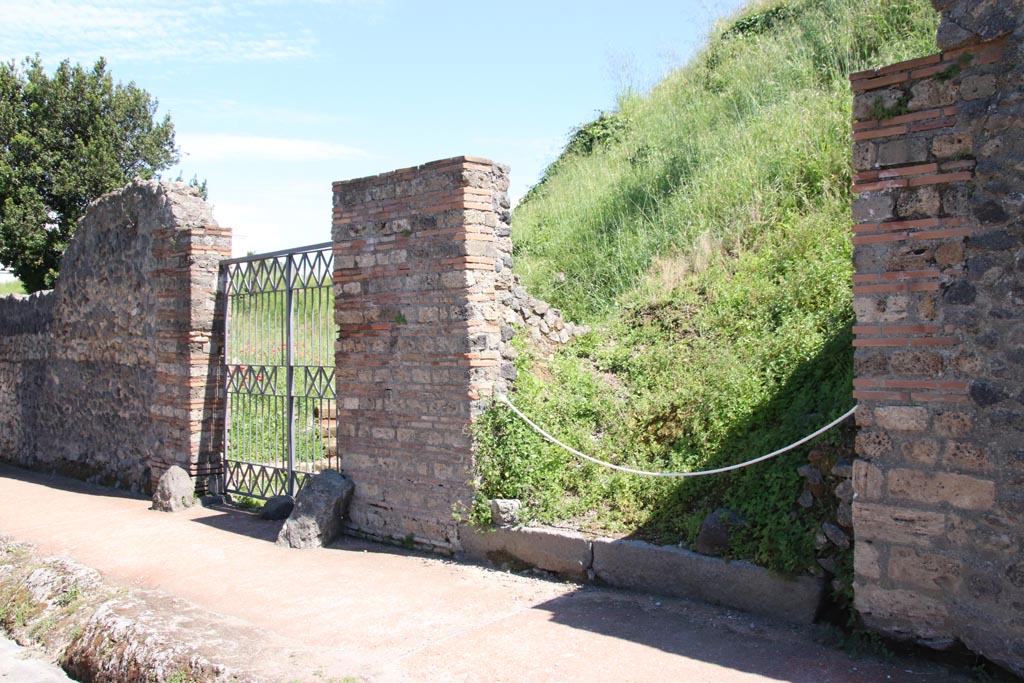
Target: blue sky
(273,100)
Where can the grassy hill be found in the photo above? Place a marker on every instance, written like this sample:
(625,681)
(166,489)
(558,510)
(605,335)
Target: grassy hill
(703,231)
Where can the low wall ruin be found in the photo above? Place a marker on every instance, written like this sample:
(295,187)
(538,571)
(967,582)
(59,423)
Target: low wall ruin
(113,376)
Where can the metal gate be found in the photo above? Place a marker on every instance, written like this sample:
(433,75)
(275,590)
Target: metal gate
(279,337)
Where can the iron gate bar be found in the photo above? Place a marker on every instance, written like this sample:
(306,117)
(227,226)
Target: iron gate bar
(289,358)
(301,282)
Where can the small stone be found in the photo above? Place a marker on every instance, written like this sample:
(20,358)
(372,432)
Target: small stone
(872,208)
(505,511)
(844,489)
(978,87)
(949,254)
(811,473)
(902,151)
(844,515)
(985,394)
(820,540)
(835,535)
(924,201)
(945,146)
(175,491)
(278,507)
(843,469)
(938,644)
(508,371)
(902,418)
(828,564)
(960,293)
(918,363)
(715,532)
(816,456)
(806,499)
(864,155)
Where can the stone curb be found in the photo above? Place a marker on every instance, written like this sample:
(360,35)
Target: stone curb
(668,570)
(564,553)
(636,565)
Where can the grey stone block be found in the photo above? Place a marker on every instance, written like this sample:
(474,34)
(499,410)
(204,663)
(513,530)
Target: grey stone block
(504,511)
(565,553)
(683,573)
(319,510)
(175,491)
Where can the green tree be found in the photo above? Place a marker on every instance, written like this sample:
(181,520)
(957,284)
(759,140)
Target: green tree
(65,140)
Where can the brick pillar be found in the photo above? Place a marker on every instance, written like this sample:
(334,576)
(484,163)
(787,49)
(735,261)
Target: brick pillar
(416,261)
(939,295)
(190,397)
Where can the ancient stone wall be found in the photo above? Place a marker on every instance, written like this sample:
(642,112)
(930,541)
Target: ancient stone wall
(113,376)
(939,296)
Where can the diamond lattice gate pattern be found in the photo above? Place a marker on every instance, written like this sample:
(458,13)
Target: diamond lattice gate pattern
(279,353)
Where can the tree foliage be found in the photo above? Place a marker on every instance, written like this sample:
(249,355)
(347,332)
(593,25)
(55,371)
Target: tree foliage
(65,140)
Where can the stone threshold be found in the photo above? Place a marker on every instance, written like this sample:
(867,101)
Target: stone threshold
(641,566)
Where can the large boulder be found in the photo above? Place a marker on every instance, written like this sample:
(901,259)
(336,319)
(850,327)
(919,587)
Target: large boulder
(320,507)
(175,491)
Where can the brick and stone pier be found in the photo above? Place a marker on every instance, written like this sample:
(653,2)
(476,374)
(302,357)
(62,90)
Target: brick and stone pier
(939,298)
(420,259)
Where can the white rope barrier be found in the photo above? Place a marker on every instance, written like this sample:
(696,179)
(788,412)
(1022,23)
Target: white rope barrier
(504,399)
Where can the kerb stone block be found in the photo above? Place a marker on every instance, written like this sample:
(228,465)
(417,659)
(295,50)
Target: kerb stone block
(565,553)
(686,574)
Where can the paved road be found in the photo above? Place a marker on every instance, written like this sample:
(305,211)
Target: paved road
(18,665)
(381,614)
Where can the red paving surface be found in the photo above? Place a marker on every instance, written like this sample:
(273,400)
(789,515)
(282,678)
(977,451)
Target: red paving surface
(382,614)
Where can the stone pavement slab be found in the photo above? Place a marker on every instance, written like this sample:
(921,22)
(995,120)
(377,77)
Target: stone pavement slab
(376,613)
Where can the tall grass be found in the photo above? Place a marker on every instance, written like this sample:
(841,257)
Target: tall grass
(703,230)
(753,129)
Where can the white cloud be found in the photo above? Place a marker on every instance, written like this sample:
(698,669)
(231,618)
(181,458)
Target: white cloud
(226,113)
(291,219)
(150,30)
(217,147)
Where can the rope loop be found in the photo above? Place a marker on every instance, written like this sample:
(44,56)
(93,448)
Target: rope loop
(504,399)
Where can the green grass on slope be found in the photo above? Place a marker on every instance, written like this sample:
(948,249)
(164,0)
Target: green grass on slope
(704,231)
(13,287)
(719,148)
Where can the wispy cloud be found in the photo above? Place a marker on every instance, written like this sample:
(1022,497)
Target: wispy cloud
(225,112)
(149,30)
(216,147)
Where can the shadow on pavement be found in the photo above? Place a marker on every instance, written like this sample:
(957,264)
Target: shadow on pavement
(241,522)
(61,483)
(733,640)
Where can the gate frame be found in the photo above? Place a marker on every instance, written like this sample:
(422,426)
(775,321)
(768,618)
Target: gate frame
(292,476)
